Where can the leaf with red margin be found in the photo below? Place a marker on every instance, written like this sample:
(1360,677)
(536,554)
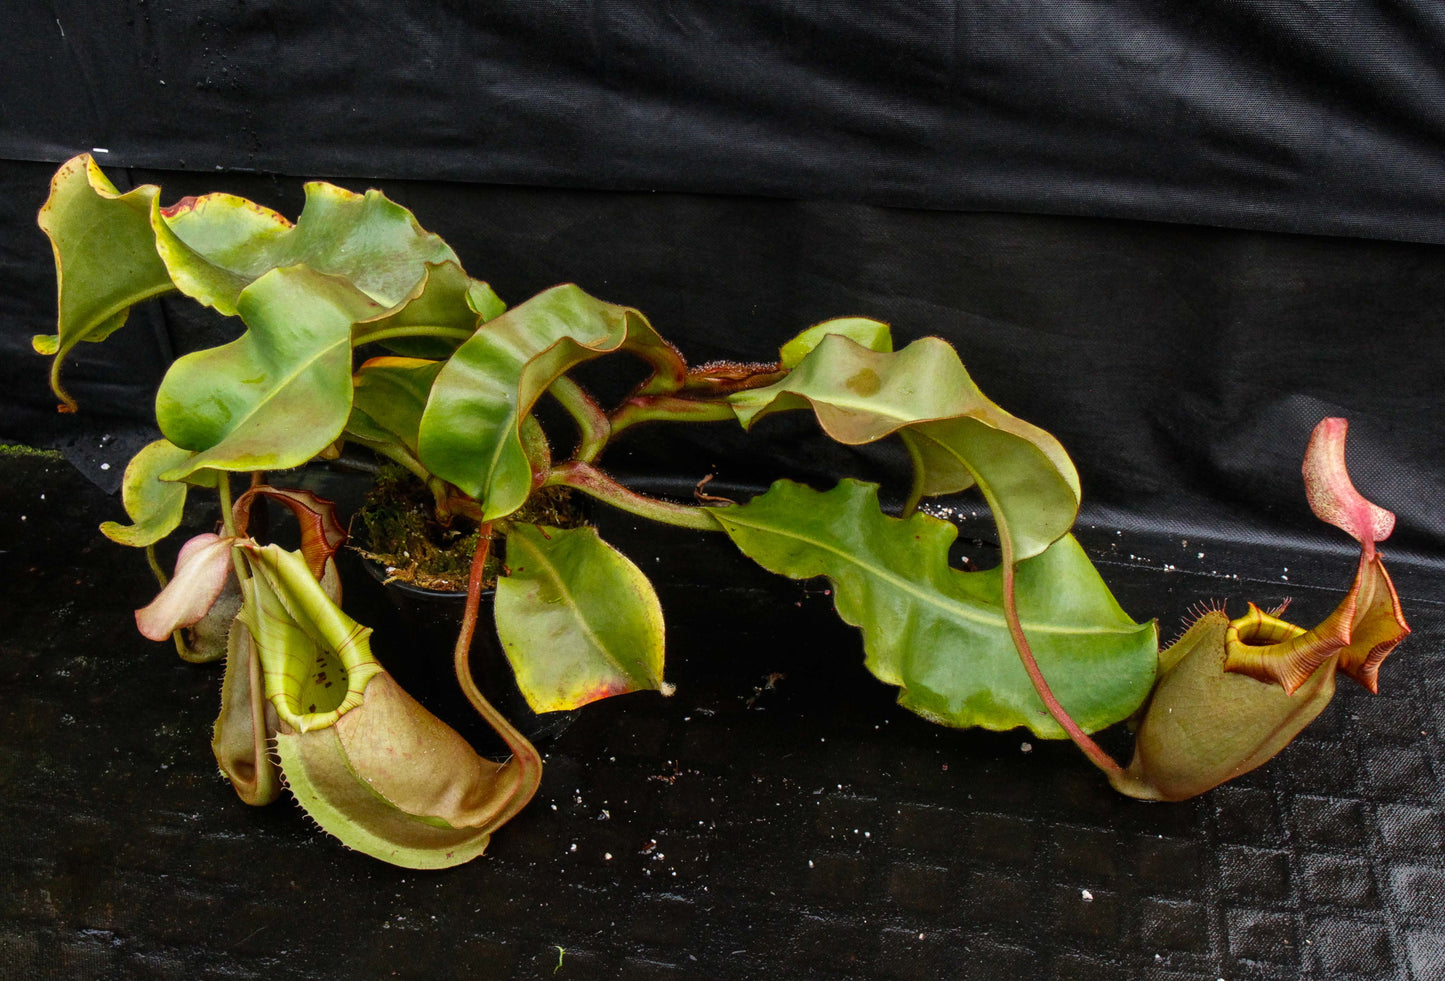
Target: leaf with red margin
(577,619)
(472,432)
(956,436)
(217,245)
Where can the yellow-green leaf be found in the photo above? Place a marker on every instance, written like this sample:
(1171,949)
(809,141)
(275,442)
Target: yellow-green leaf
(577,619)
(105,257)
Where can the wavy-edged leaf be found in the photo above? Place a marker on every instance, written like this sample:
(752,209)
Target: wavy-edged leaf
(448,302)
(281,392)
(105,257)
(471,430)
(155,506)
(577,619)
(955,434)
(217,245)
(940,634)
(1205,725)
(1032,491)
(874,335)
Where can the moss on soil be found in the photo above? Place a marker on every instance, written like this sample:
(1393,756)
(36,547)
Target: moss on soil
(399,526)
(17,449)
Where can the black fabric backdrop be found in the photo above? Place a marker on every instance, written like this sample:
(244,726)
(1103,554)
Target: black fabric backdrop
(1032,182)
(1174,234)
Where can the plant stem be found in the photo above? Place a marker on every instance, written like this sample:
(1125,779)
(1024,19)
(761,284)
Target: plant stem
(594,427)
(1081,739)
(526,763)
(415,330)
(669,370)
(223,491)
(668,408)
(155,565)
(590,480)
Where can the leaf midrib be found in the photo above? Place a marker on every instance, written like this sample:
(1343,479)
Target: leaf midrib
(935,600)
(550,568)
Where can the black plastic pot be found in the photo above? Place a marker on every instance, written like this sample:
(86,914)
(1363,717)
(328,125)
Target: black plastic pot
(415,633)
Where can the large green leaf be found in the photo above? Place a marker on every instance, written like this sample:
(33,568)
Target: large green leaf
(471,431)
(105,257)
(578,620)
(940,634)
(216,245)
(956,435)
(279,394)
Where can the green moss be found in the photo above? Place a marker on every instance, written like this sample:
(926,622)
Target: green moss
(402,532)
(20,450)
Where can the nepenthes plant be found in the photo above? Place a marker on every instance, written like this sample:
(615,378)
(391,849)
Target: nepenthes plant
(359,329)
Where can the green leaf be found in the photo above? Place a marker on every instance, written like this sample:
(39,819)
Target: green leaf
(471,430)
(956,436)
(578,621)
(217,245)
(1033,497)
(447,304)
(872,334)
(280,393)
(940,634)
(390,396)
(105,257)
(154,505)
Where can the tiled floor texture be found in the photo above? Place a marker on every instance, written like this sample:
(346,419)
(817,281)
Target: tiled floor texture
(778,816)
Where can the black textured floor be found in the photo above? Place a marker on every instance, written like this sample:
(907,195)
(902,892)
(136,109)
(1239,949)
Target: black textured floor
(778,816)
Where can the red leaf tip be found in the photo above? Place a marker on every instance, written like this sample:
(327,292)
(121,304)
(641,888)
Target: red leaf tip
(1331,493)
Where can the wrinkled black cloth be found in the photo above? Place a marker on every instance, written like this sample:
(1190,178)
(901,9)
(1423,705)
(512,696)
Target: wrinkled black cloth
(1287,116)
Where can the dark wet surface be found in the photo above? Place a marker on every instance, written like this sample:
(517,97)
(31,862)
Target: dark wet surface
(777,816)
